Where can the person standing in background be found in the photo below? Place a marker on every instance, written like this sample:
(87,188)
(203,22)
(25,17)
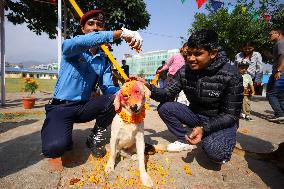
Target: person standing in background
(248,90)
(174,63)
(275,96)
(162,76)
(255,69)
(125,67)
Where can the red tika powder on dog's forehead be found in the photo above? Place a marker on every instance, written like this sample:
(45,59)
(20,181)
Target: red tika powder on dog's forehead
(130,87)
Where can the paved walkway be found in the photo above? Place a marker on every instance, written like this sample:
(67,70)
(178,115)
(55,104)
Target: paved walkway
(23,166)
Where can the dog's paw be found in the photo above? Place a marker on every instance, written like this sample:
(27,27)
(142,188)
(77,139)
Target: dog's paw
(146,180)
(109,168)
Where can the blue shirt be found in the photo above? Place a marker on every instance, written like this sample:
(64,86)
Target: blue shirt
(80,70)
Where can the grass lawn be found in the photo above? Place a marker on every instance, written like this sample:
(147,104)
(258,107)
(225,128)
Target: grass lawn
(17,85)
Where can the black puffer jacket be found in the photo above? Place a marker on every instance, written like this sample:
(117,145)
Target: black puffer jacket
(216,92)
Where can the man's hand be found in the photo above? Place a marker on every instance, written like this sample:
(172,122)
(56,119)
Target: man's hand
(195,136)
(133,38)
(277,75)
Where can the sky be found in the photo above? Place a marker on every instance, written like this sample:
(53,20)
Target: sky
(170,20)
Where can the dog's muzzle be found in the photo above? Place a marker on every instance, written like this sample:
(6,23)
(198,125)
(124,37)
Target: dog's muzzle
(134,108)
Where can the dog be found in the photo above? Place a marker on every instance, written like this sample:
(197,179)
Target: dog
(127,128)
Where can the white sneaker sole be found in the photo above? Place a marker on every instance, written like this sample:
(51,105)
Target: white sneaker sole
(191,147)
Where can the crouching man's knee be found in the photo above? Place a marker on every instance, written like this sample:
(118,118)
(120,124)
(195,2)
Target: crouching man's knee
(165,108)
(55,148)
(217,152)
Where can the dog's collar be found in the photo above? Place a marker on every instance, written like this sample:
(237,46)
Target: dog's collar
(135,118)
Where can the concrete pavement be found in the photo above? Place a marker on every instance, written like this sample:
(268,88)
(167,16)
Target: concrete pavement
(23,166)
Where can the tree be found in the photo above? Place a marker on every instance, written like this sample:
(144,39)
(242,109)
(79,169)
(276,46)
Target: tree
(278,18)
(141,73)
(245,23)
(42,17)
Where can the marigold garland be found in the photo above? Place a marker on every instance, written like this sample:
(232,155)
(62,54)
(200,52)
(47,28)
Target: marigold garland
(135,118)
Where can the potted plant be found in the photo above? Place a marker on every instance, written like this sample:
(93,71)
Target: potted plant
(30,86)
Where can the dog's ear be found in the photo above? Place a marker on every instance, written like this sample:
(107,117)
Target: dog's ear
(116,101)
(147,92)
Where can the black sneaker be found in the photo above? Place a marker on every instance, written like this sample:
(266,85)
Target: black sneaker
(149,149)
(96,142)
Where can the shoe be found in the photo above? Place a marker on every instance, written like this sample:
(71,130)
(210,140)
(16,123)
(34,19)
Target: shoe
(276,119)
(96,142)
(179,146)
(248,118)
(149,149)
(218,162)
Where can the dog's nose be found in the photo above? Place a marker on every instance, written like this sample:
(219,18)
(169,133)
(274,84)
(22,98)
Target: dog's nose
(134,108)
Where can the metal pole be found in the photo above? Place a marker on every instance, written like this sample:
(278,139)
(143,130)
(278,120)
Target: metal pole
(65,20)
(2,37)
(59,33)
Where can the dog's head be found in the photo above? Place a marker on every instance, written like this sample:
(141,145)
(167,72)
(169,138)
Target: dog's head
(132,96)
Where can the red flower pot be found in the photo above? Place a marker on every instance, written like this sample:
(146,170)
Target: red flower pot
(28,102)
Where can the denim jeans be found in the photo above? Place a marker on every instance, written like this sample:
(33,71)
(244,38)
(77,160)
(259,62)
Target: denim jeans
(56,133)
(162,83)
(218,145)
(275,97)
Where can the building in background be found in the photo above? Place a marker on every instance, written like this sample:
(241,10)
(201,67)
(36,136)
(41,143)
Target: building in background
(51,66)
(12,72)
(146,64)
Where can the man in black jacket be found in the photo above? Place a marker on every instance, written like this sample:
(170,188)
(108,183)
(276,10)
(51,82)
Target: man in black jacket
(215,91)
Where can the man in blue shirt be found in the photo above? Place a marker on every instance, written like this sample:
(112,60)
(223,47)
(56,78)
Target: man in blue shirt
(83,66)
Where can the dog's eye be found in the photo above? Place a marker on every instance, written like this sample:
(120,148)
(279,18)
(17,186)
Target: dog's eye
(136,92)
(125,95)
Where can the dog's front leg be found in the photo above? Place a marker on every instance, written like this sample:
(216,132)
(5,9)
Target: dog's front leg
(140,146)
(112,155)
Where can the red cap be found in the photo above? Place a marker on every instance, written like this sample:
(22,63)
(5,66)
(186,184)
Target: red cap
(96,14)
(108,46)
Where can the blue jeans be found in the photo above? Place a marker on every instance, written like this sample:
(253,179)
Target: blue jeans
(275,97)
(162,83)
(218,145)
(56,133)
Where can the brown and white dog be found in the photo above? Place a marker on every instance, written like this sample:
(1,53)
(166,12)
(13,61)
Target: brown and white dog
(127,128)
